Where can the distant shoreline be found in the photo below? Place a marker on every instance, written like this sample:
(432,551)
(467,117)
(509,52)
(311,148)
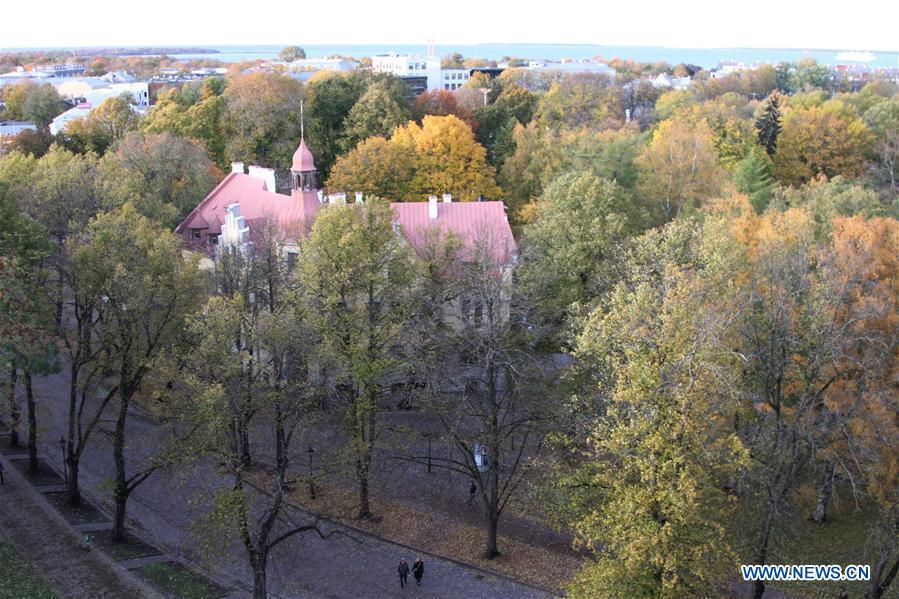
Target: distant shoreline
(118,51)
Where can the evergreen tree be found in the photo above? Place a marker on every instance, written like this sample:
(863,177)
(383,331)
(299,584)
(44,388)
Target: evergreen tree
(768,124)
(753,178)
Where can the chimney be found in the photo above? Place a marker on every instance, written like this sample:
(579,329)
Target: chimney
(337,198)
(447,198)
(266,174)
(358,197)
(237,167)
(432,207)
(321,196)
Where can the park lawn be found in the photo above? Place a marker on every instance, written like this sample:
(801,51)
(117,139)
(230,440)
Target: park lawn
(841,540)
(18,576)
(174,579)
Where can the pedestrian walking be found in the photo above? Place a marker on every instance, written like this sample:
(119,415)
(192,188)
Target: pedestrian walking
(418,570)
(471,491)
(2,482)
(403,571)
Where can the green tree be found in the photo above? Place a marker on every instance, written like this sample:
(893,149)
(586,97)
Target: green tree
(375,167)
(651,499)
(377,112)
(42,105)
(768,124)
(291,53)
(584,99)
(104,125)
(883,121)
(357,274)
(568,249)
(753,178)
(134,268)
(330,98)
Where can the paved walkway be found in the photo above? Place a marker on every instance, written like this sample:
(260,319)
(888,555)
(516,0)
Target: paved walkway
(167,505)
(70,571)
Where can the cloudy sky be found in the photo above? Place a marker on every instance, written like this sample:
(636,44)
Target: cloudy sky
(855,24)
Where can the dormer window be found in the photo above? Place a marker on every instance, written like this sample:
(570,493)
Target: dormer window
(212,239)
(195,234)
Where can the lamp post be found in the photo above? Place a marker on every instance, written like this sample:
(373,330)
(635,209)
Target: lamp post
(485,91)
(65,465)
(311,452)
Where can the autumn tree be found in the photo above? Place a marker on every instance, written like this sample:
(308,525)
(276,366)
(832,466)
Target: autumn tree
(679,168)
(883,121)
(261,119)
(39,103)
(162,176)
(447,159)
(584,99)
(826,140)
(440,103)
(291,53)
(196,116)
(357,274)
(375,167)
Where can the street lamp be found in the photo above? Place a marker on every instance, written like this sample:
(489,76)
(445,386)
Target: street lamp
(485,91)
(311,452)
(65,466)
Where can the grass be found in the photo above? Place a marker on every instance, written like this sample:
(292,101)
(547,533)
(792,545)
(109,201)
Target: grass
(80,514)
(172,578)
(131,548)
(841,540)
(18,576)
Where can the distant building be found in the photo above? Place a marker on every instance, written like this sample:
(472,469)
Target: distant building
(678,83)
(572,67)
(58,71)
(94,90)
(421,73)
(10,128)
(322,64)
(61,122)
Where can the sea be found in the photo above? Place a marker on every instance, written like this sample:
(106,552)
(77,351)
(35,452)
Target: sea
(704,57)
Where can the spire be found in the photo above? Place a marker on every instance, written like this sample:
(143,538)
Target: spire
(303,167)
(302,123)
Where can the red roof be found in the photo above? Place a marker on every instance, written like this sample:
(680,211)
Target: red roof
(476,224)
(302,159)
(294,213)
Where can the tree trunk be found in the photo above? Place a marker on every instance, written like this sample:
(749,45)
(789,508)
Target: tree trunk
(492,528)
(74,491)
(14,413)
(761,555)
(881,581)
(260,579)
(121,479)
(362,475)
(825,489)
(33,465)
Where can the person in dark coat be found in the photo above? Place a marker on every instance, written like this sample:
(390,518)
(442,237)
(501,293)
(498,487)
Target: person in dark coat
(471,491)
(418,570)
(2,482)
(403,571)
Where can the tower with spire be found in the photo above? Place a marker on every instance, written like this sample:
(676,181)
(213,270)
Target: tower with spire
(302,171)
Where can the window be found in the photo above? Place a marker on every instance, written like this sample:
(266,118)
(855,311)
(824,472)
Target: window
(292,259)
(195,234)
(446,86)
(212,239)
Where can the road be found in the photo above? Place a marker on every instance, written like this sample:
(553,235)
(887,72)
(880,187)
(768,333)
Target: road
(168,505)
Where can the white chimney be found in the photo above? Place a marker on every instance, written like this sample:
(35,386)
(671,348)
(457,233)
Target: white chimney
(432,207)
(447,198)
(266,174)
(358,197)
(237,167)
(337,198)
(321,196)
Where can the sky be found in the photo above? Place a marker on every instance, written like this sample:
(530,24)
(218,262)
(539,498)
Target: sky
(829,24)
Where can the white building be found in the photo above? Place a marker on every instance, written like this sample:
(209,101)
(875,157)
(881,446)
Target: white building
(10,128)
(95,90)
(572,67)
(421,67)
(322,64)
(51,72)
(73,114)
(678,83)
